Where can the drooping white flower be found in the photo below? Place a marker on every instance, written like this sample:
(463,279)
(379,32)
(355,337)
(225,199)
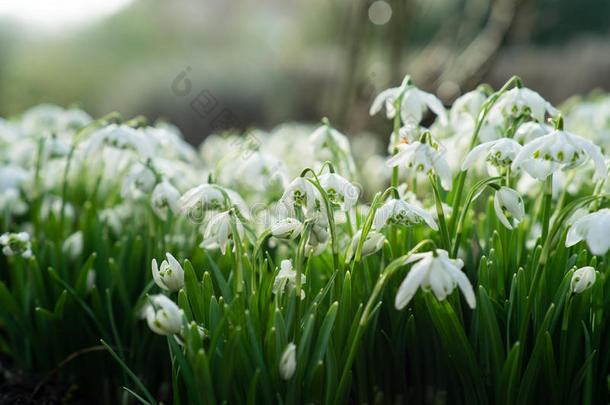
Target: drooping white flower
(287,228)
(339,190)
(121,137)
(219,231)
(582,279)
(558,148)
(500,153)
(73,245)
(170,276)
(413,103)
(139,181)
(373,243)
(286,279)
(468,103)
(523,101)
(594,229)
(436,272)
(16,244)
(399,212)
(319,234)
(288,362)
(508,200)
(209,197)
(531,130)
(300,192)
(422,157)
(164,197)
(326,137)
(163,315)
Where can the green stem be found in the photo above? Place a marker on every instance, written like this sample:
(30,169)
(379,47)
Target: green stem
(546,206)
(441,215)
(365,317)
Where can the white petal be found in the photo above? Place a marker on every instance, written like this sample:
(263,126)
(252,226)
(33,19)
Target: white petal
(410,284)
(500,213)
(475,153)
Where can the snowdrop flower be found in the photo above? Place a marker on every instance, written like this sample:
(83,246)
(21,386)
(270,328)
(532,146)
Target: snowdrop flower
(559,148)
(16,244)
(509,200)
(219,232)
(469,103)
(523,101)
(170,276)
(163,315)
(372,244)
(499,153)
(301,192)
(287,279)
(434,271)
(413,102)
(164,197)
(531,130)
(138,182)
(120,137)
(73,245)
(319,231)
(399,212)
(287,228)
(209,197)
(582,279)
(422,157)
(326,137)
(288,362)
(594,229)
(339,190)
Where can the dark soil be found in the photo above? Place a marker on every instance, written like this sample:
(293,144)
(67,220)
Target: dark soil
(18,388)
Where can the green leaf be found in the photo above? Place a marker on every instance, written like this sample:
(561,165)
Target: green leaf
(193,292)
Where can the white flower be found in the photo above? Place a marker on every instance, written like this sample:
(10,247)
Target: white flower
(287,278)
(399,212)
(73,245)
(414,102)
(301,192)
(339,190)
(594,229)
(500,153)
(469,103)
(559,148)
(319,231)
(437,272)
(288,362)
(16,244)
(509,200)
(326,137)
(582,279)
(422,157)
(219,232)
(164,197)
(138,182)
(163,315)
(121,137)
(531,130)
(209,197)
(288,228)
(524,101)
(170,276)
(373,243)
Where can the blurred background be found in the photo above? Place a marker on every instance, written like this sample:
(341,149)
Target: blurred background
(210,64)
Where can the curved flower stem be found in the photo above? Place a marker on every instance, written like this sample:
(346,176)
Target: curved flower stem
(546,206)
(460,226)
(485,108)
(365,317)
(441,215)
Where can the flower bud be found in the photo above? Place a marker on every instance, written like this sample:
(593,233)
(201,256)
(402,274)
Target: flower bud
(288,228)
(73,245)
(509,200)
(163,316)
(288,362)
(372,244)
(582,279)
(170,276)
